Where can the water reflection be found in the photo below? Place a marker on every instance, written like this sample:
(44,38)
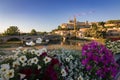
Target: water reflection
(73,43)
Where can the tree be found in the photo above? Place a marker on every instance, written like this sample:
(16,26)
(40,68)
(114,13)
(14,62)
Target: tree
(87,33)
(102,30)
(113,21)
(95,31)
(59,28)
(33,32)
(12,30)
(94,26)
(101,24)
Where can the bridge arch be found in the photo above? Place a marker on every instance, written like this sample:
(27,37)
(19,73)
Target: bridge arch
(29,38)
(19,38)
(1,40)
(13,39)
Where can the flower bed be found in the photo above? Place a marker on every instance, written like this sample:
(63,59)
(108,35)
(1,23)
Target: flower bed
(114,46)
(30,64)
(95,63)
(99,61)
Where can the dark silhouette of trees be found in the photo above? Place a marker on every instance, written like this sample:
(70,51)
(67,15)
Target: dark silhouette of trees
(33,32)
(12,30)
(101,24)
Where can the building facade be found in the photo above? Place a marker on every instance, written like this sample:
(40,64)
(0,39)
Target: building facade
(70,25)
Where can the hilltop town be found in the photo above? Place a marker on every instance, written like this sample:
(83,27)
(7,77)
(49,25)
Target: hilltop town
(107,29)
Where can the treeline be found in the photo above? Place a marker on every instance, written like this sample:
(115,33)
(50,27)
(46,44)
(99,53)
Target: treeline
(14,30)
(113,21)
(95,31)
(99,30)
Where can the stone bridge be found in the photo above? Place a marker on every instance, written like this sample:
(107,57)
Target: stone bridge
(29,38)
(21,38)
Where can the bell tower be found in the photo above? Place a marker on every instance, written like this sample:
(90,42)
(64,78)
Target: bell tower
(75,23)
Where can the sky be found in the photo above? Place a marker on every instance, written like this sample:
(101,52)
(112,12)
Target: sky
(46,15)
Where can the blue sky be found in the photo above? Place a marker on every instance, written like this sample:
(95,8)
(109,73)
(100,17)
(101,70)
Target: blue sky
(45,15)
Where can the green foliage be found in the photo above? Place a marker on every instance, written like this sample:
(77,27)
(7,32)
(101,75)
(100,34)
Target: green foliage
(94,26)
(33,32)
(12,30)
(95,31)
(42,33)
(101,24)
(87,33)
(113,21)
(116,22)
(59,28)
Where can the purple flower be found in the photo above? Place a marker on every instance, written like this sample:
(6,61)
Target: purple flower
(99,60)
(85,61)
(99,72)
(113,71)
(89,54)
(95,59)
(89,67)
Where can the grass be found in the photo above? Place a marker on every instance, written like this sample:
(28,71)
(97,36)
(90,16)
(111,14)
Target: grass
(10,44)
(5,46)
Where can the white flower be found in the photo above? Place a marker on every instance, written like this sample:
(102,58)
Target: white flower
(68,59)
(18,51)
(44,49)
(47,59)
(80,78)
(24,64)
(4,68)
(10,57)
(39,67)
(16,64)
(7,66)
(25,51)
(29,62)
(71,57)
(15,56)
(2,77)
(38,52)
(32,51)
(22,76)
(9,74)
(23,59)
(63,72)
(35,60)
